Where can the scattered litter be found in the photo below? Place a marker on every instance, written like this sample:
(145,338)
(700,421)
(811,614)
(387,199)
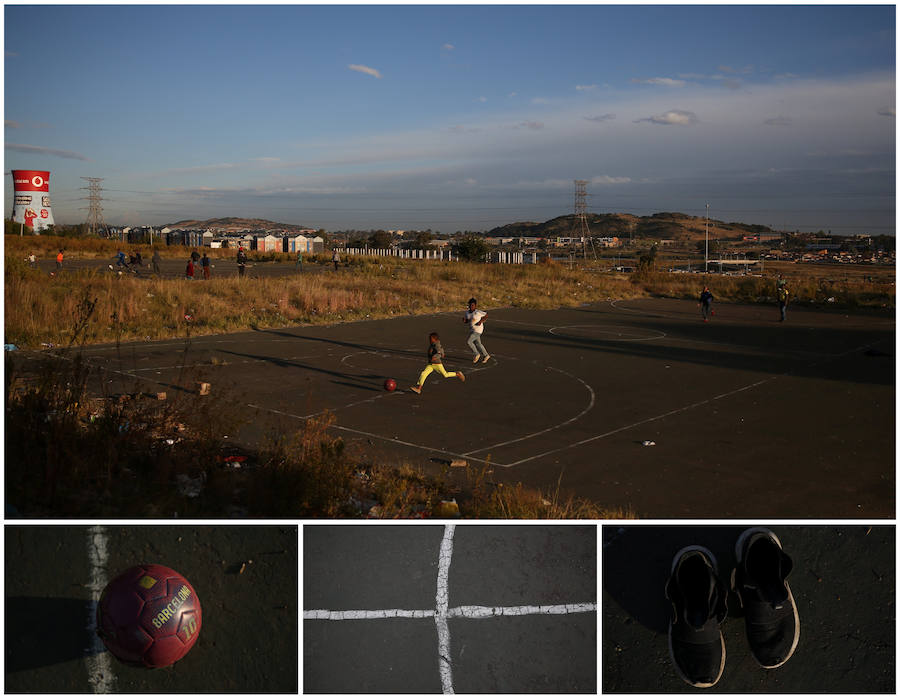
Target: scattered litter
(9,347)
(160,396)
(203,388)
(459,463)
(47,345)
(648,443)
(831,300)
(188,317)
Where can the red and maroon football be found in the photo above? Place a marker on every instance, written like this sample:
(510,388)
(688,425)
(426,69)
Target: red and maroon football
(149,615)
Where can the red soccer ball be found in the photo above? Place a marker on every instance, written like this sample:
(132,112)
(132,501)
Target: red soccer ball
(149,615)
(390,384)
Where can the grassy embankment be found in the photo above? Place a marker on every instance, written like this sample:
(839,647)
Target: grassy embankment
(73,449)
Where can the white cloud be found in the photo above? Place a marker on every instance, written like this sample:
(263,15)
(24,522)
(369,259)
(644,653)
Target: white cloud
(609,180)
(535,126)
(40,150)
(364,69)
(676,117)
(540,101)
(448,47)
(583,88)
(665,82)
(601,118)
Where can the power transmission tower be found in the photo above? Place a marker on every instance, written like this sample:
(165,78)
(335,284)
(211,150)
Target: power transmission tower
(95,209)
(581,213)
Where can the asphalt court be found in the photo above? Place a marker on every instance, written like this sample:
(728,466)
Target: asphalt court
(750,417)
(449,609)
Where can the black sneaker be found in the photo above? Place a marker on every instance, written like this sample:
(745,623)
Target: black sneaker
(698,601)
(773,625)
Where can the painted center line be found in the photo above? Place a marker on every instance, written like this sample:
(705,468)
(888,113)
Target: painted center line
(99,670)
(443,612)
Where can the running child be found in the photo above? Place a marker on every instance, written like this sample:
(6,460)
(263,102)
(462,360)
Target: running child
(475,318)
(435,363)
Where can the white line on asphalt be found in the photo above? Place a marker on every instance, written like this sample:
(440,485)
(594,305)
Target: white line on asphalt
(99,670)
(443,611)
(552,427)
(364,614)
(442,602)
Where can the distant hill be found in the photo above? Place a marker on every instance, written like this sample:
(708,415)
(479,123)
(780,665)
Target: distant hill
(662,225)
(233,223)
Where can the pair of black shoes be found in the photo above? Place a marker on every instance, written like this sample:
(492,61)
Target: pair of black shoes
(699,606)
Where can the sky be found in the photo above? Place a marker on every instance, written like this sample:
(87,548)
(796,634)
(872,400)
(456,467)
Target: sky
(456,117)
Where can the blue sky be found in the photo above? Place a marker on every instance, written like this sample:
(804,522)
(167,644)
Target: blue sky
(456,117)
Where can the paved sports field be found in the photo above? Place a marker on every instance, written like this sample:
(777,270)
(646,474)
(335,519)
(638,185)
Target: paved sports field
(248,639)
(452,609)
(750,417)
(843,582)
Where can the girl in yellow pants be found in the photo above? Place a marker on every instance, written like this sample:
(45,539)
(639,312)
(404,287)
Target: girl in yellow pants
(435,363)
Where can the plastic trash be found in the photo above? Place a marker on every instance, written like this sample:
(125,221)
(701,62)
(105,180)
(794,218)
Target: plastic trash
(648,443)
(9,347)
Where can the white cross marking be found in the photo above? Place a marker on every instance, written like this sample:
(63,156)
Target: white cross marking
(442,611)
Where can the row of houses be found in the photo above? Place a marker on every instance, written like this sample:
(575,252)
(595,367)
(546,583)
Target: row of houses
(557,242)
(283,242)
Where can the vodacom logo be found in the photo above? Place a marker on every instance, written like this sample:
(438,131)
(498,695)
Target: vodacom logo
(37,181)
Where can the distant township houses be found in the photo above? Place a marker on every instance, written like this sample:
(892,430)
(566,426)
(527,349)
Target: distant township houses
(295,241)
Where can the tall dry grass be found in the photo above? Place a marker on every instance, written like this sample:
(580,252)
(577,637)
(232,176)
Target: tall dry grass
(42,309)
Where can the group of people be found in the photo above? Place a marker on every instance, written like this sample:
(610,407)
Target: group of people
(474,317)
(205,264)
(781,293)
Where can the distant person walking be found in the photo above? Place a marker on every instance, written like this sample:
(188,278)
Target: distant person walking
(435,363)
(299,265)
(204,262)
(706,300)
(783,296)
(335,258)
(59,260)
(189,271)
(475,318)
(241,261)
(156,260)
(195,256)
(32,260)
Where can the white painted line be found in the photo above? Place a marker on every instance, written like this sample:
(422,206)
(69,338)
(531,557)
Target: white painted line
(481,611)
(99,670)
(442,602)
(364,614)
(658,336)
(643,422)
(443,612)
(545,430)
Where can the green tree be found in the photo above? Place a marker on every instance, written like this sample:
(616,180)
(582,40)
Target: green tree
(380,239)
(472,248)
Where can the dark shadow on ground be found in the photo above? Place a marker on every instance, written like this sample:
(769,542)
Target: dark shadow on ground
(45,631)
